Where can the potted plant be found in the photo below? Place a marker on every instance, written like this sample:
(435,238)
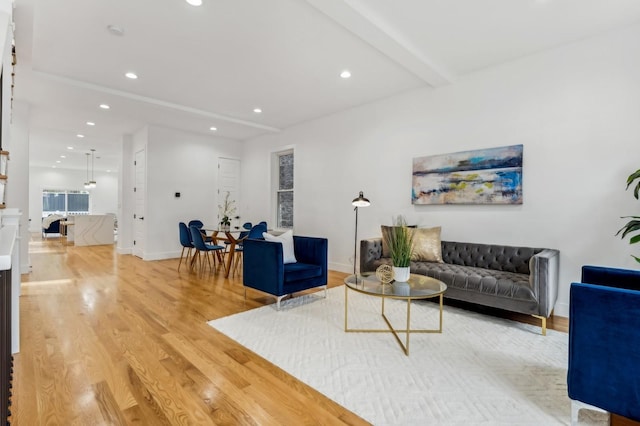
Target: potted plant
(226,210)
(399,239)
(634,224)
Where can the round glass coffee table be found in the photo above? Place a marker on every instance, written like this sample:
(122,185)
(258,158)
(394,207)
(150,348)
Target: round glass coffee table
(417,287)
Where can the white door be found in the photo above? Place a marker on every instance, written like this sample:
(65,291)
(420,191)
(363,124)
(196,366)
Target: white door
(229,181)
(139,205)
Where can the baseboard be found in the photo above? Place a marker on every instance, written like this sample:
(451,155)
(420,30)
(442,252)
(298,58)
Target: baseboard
(340,267)
(124,250)
(561,310)
(162,256)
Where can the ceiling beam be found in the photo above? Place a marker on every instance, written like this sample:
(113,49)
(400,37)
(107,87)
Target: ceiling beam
(153,101)
(356,18)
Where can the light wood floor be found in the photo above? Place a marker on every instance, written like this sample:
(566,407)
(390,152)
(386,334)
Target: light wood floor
(111,339)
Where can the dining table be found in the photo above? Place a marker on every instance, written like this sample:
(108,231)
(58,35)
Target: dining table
(229,235)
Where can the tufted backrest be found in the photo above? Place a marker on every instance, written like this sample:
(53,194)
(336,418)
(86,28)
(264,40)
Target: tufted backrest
(496,257)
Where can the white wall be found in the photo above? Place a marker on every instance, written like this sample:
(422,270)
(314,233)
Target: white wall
(103,199)
(180,162)
(574,108)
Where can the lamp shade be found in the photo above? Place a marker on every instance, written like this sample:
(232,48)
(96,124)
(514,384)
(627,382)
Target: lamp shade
(361,201)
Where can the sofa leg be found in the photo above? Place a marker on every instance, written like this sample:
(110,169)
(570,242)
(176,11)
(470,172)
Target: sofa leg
(576,406)
(325,291)
(544,323)
(278,299)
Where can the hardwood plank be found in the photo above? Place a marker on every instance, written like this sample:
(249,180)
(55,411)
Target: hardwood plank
(108,405)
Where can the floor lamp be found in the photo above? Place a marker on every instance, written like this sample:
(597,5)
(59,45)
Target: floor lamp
(357,202)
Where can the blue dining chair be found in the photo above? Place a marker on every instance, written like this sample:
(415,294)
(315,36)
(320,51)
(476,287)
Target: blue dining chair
(256,231)
(200,246)
(198,224)
(185,241)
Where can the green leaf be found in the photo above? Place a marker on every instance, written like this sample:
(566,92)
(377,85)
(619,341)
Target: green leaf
(632,226)
(400,242)
(632,177)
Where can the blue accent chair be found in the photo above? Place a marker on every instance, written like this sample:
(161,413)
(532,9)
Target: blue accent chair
(263,268)
(202,247)
(604,342)
(185,241)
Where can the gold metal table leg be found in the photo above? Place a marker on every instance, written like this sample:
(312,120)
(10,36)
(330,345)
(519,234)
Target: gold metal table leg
(390,329)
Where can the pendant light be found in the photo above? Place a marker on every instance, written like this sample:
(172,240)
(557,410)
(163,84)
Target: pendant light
(92,182)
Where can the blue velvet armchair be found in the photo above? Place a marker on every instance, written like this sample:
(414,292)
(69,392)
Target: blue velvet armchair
(263,268)
(604,342)
(53,228)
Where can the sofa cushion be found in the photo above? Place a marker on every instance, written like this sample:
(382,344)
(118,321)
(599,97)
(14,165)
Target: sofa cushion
(427,246)
(385,230)
(300,271)
(480,280)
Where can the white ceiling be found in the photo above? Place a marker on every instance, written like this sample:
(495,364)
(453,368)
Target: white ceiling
(212,65)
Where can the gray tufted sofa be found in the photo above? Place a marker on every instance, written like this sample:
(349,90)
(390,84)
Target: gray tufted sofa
(517,279)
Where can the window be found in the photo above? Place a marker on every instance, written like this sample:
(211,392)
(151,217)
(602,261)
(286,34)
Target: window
(284,191)
(64,202)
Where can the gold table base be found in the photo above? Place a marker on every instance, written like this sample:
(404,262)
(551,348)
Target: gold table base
(407,331)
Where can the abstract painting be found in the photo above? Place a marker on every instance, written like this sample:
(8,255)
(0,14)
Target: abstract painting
(485,176)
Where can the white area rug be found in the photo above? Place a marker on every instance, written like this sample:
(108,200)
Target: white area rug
(480,371)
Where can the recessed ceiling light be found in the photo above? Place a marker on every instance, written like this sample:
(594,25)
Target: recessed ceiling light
(58,161)
(257,110)
(131,75)
(115,30)
(63,156)
(104,106)
(108,171)
(53,167)
(90,123)
(213,129)
(69,147)
(80,136)
(195,2)
(345,74)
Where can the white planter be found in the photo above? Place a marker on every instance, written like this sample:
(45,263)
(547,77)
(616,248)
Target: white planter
(401,274)
(401,288)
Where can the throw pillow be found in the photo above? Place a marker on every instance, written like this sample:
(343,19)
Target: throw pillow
(427,246)
(286,239)
(385,247)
